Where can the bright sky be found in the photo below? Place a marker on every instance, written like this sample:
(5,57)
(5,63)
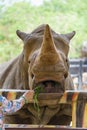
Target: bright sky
(33,2)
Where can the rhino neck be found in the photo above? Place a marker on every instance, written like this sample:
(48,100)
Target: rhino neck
(22,73)
(11,74)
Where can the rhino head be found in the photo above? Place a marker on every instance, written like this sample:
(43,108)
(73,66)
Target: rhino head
(45,57)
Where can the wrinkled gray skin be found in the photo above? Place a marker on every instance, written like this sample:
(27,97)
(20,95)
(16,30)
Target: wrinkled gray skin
(44,62)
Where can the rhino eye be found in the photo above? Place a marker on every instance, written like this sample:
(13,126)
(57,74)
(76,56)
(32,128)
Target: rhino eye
(65,75)
(66,60)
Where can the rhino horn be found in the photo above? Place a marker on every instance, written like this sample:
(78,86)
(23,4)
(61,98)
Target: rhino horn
(48,53)
(70,35)
(21,35)
(48,42)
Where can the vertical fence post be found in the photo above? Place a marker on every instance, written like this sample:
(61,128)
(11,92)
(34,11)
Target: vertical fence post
(80,76)
(84,123)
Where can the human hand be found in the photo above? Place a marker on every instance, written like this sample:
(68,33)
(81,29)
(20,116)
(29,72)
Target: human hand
(29,95)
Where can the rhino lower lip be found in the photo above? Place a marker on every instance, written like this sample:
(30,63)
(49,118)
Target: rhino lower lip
(50,87)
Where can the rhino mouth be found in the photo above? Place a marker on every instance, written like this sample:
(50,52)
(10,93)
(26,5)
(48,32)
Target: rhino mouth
(50,86)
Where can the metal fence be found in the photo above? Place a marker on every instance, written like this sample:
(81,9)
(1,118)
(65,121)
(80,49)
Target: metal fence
(77,68)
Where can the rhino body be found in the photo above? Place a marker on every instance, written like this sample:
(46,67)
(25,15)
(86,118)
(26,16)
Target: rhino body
(44,62)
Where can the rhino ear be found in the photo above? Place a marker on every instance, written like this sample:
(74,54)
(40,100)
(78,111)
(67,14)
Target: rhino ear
(21,35)
(70,35)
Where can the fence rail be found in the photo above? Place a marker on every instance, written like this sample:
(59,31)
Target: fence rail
(78,101)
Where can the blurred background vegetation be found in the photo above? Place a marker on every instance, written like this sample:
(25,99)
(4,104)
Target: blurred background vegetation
(62,15)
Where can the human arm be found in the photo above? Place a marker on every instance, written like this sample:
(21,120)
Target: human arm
(14,105)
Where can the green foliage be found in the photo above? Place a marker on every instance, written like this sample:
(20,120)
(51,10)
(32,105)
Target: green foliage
(63,16)
(37,90)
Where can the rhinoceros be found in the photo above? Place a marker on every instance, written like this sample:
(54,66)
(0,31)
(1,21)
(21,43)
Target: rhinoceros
(44,62)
